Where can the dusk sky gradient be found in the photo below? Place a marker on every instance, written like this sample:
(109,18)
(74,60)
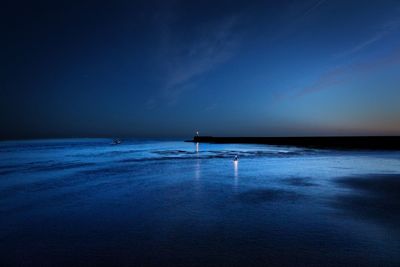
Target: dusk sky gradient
(168,68)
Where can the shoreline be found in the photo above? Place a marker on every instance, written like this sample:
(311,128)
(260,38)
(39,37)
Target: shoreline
(331,142)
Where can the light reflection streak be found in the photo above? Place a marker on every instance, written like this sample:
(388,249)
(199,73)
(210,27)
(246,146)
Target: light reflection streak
(236,172)
(197,172)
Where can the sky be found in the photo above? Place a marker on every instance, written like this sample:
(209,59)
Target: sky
(224,68)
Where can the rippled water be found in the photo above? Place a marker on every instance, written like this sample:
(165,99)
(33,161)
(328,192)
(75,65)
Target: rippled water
(153,202)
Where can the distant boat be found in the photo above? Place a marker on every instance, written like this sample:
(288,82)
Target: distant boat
(236,158)
(116,142)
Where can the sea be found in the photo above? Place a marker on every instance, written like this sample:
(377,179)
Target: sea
(148,202)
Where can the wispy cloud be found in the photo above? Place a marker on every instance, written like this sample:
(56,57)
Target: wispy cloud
(293,20)
(312,8)
(211,45)
(386,29)
(346,72)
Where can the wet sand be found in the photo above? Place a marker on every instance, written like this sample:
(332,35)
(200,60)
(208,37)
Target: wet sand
(372,197)
(173,203)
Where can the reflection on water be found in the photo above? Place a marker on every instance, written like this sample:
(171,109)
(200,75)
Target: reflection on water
(197,170)
(236,172)
(151,203)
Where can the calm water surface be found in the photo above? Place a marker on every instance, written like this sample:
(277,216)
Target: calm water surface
(152,202)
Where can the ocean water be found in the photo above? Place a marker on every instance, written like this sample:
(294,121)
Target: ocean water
(85,202)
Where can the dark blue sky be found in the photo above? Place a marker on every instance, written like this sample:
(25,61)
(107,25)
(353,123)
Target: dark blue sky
(167,68)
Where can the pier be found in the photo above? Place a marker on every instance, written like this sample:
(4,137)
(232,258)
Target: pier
(329,142)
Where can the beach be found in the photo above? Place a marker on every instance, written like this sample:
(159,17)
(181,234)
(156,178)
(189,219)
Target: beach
(144,202)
